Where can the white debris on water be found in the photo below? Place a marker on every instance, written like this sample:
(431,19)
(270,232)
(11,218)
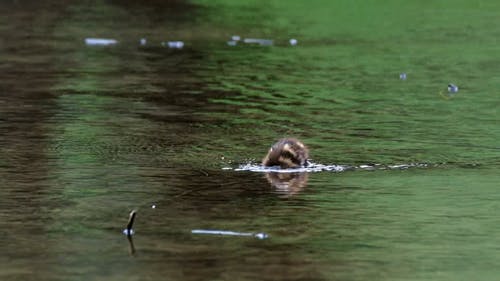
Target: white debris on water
(100,41)
(173,44)
(262,42)
(259,235)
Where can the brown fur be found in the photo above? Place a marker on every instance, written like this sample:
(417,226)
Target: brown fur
(287,153)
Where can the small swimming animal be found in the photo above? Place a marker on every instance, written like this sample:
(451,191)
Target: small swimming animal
(287,153)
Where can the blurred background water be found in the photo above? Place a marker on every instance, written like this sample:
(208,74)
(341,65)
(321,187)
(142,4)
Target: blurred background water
(88,133)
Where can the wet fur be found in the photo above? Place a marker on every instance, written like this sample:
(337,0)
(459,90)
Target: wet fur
(287,153)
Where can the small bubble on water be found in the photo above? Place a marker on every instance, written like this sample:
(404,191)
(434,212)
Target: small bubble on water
(235,38)
(452,88)
(293,42)
(232,43)
(402,76)
(153,206)
(143,41)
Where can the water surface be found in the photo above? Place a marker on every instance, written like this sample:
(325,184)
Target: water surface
(89,133)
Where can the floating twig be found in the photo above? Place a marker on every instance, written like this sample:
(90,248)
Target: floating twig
(259,235)
(100,41)
(129,231)
(131,247)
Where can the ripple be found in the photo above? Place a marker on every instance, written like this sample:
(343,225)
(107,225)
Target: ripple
(315,167)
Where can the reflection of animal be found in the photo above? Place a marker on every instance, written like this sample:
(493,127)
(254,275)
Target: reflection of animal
(287,153)
(287,183)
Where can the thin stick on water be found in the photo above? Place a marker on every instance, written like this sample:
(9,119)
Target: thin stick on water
(131,247)
(260,235)
(128,231)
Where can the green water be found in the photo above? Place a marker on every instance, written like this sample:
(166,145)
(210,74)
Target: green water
(88,133)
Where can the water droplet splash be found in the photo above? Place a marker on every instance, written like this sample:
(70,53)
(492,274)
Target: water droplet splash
(311,167)
(314,167)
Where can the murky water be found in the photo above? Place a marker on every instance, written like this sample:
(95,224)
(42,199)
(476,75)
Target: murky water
(405,178)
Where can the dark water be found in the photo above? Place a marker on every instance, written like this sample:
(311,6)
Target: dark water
(89,133)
